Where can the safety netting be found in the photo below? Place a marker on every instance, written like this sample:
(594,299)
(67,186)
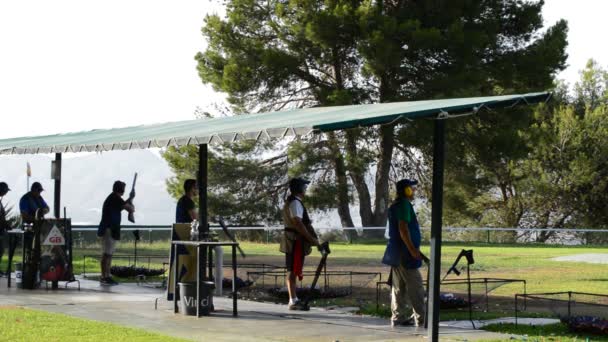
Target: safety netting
(563,304)
(270,285)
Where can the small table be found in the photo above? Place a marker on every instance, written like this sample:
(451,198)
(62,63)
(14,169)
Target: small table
(198,245)
(13,237)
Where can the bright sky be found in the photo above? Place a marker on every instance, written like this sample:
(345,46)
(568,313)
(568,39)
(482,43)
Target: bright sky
(71,65)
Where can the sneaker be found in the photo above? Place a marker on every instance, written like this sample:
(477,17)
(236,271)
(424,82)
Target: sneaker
(406,323)
(418,320)
(111,281)
(299,306)
(108,281)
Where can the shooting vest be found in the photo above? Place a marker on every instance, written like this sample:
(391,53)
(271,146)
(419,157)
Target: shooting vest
(396,252)
(290,234)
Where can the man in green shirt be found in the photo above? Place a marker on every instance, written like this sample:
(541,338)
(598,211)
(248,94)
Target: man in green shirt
(403,255)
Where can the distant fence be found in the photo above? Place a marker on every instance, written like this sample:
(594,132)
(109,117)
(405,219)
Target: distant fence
(84,234)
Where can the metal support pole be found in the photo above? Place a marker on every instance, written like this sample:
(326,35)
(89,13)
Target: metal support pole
(569,301)
(198,280)
(202,190)
(175,270)
(515,309)
(437,208)
(525,297)
(57,174)
(469,290)
(485,280)
(234,293)
(219,271)
(209,263)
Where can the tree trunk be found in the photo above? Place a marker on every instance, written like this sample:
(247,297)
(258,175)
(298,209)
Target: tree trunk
(357,175)
(341,180)
(387,144)
(382,194)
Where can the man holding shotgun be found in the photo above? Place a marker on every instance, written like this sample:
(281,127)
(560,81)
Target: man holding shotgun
(403,255)
(109,227)
(298,238)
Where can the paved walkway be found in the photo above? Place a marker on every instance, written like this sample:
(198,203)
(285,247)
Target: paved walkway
(520,320)
(134,306)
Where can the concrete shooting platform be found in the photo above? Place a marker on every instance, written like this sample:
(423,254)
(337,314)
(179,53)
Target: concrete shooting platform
(134,306)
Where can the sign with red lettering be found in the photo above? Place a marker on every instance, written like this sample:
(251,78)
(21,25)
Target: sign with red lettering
(55,238)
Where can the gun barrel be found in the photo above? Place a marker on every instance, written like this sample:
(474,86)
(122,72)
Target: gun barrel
(225,229)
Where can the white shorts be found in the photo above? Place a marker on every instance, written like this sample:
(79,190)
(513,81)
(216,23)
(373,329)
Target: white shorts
(108,245)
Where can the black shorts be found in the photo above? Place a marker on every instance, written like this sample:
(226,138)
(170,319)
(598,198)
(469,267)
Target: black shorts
(289,259)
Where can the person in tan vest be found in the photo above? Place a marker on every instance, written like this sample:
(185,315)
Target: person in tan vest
(298,238)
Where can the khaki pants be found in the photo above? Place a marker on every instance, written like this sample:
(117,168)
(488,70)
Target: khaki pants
(108,244)
(407,291)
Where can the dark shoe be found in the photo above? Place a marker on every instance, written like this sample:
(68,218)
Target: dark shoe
(111,281)
(407,323)
(299,306)
(108,281)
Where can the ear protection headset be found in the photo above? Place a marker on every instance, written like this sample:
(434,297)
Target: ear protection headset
(408,191)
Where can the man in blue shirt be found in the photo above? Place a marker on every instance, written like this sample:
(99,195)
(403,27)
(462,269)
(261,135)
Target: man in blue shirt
(403,255)
(32,204)
(185,211)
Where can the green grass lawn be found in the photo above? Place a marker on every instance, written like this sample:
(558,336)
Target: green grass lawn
(529,262)
(19,324)
(553,332)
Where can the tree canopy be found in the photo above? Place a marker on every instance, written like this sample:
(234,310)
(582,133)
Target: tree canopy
(277,54)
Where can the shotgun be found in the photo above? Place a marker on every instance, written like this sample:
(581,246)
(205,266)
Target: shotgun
(230,236)
(131,216)
(325,251)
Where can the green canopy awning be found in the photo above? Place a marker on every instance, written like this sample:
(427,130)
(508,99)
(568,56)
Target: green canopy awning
(256,126)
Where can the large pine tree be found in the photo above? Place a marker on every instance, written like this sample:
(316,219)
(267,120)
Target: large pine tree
(277,54)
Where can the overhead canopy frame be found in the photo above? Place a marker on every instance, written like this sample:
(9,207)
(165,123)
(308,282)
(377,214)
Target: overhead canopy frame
(262,126)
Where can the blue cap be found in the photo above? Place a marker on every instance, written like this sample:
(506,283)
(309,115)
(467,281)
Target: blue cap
(36,186)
